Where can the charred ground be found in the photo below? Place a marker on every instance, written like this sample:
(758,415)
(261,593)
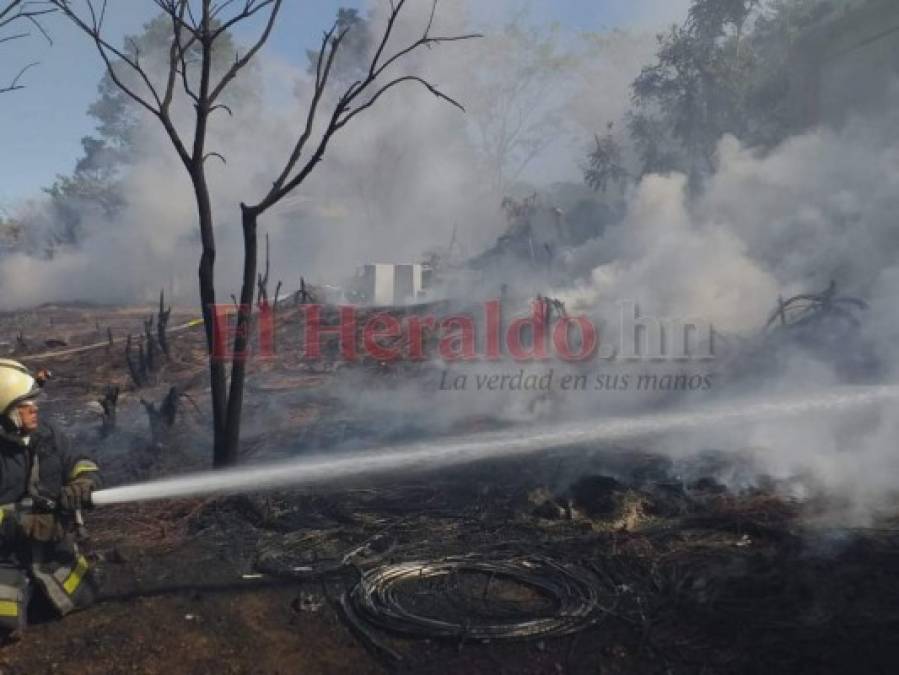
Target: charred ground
(688,575)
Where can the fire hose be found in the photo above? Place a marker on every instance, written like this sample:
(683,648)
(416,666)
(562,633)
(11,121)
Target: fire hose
(437,454)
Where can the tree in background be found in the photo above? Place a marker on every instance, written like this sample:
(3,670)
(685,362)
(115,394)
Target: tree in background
(769,100)
(695,92)
(726,70)
(517,100)
(355,54)
(94,190)
(515,96)
(606,163)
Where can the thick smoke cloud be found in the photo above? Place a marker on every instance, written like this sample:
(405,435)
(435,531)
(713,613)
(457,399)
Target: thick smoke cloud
(389,189)
(668,261)
(394,184)
(817,209)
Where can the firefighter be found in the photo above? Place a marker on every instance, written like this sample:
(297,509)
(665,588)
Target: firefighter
(43,486)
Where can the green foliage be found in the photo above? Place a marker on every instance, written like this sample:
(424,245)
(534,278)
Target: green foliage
(773,39)
(606,163)
(726,70)
(710,20)
(94,189)
(695,92)
(353,59)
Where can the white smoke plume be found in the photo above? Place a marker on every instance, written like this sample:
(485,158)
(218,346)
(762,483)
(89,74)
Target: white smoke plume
(395,183)
(390,187)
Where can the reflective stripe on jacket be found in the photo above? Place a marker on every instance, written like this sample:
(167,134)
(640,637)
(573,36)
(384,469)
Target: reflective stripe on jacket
(58,568)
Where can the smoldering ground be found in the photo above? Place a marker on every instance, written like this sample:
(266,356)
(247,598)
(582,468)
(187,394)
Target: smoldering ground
(815,208)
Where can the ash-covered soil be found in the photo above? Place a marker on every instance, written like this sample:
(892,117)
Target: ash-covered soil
(685,575)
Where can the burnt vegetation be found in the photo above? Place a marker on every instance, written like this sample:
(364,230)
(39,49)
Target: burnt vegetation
(626,560)
(604,558)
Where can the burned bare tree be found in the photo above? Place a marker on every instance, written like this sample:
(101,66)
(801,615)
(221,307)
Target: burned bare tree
(136,368)
(806,308)
(143,370)
(277,295)
(262,281)
(16,13)
(109,403)
(196,32)
(196,29)
(162,418)
(303,296)
(162,324)
(150,342)
(262,299)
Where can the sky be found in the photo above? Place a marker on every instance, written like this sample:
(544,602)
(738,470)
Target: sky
(41,126)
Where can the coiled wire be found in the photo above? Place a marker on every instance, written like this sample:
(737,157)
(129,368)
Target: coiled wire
(569,596)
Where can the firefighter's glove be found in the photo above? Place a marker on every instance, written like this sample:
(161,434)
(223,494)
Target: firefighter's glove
(76,495)
(43,527)
(9,526)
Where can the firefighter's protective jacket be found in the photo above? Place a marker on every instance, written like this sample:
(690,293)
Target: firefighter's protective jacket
(40,465)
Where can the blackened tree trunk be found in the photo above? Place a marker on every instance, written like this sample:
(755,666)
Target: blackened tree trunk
(162,325)
(206,275)
(249,218)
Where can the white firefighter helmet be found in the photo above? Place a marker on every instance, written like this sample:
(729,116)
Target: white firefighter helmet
(17,384)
